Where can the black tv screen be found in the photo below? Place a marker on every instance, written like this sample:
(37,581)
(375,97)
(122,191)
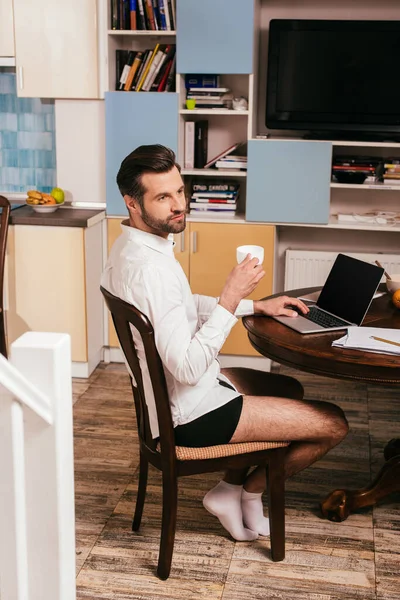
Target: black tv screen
(334,76)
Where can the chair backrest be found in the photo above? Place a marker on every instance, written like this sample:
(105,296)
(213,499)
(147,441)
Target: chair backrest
(5,217)
(124,315)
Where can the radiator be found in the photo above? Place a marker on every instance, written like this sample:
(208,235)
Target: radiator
(305,268)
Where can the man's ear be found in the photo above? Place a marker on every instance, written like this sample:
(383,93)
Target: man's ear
(131,203)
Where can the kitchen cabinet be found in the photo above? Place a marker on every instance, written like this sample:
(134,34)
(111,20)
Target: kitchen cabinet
(207,253)
(56,48)
(6,29)
(213,256)
(53,276)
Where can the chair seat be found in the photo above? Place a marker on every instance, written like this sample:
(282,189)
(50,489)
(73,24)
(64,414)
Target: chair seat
(185,453)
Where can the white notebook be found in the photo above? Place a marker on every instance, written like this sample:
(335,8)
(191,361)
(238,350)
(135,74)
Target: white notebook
(364,338)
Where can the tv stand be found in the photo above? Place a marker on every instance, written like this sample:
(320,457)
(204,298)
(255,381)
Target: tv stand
(352,136)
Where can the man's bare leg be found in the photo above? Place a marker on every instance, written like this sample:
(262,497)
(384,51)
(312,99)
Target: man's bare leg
(312,427)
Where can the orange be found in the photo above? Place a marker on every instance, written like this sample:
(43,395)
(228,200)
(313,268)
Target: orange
(396,298)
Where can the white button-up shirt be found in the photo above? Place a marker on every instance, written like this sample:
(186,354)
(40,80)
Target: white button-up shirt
(189,329)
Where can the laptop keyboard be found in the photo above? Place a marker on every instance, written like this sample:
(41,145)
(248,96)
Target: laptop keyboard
(321,318)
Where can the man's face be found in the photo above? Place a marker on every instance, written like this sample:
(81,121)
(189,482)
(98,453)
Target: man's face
(164,203)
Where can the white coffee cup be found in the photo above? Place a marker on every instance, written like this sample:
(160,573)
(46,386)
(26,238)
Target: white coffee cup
(255,251)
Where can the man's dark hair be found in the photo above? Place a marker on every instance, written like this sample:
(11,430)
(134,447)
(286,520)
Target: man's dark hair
(154,158)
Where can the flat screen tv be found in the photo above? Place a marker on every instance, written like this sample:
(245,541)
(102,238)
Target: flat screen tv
(334,76)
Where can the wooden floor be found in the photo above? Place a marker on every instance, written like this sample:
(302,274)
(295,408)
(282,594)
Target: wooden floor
(357,559)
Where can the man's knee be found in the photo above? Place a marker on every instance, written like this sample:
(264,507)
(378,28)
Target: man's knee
(337,426)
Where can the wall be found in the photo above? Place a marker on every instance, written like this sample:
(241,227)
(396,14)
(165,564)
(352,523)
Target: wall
(27,140)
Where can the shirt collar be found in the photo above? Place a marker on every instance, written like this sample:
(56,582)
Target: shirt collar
(144,238)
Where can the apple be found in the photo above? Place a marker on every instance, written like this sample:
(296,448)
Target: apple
(58,195)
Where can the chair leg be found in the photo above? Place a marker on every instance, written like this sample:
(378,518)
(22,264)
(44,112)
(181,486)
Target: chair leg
(141,493)
(168,525)
(276,503)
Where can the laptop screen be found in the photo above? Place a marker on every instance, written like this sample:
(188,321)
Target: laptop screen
(349,288)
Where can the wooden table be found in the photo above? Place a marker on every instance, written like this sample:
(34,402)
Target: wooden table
(314,353)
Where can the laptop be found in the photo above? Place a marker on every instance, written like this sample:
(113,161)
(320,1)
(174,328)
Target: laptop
(344,300)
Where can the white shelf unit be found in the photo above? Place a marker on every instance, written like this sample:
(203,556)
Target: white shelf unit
(140,33)
(225,128)
(384,187)
(214,111)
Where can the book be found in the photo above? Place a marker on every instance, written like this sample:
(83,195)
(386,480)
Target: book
(132,9)
(171,15)
(151,73)
(208,90)
(163,15)
(150,14)
(230,165)
(126,69)
(202,81)
(139,72)
(166,54)
(135,65)
(170,83)
(141,19)
(121,57)
(173,7)
(156,12)
(223,196)
(213,200)
(200,144)
(114,14)
(166,12)
(163,80)
(189,145)
(221,155)
(212,206)
(147,67)
(211,186)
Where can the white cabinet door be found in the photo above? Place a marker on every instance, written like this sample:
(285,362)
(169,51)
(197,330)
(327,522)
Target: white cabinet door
(6,28)
(56,48)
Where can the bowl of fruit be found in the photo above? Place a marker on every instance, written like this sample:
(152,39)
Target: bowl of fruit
(45,203)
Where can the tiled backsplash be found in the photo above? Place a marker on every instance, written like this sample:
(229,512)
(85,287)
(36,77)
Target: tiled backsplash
(27,140)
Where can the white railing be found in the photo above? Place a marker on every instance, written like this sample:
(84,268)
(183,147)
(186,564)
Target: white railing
(37,515)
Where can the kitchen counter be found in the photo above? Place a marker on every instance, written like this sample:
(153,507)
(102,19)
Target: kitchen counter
(63,217)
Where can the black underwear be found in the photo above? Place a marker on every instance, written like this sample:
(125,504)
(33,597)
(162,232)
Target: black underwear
(213,428)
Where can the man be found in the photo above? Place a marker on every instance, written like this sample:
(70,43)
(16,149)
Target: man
(208,406)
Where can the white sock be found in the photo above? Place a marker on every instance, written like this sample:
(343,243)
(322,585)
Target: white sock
(253,513)
(224,502)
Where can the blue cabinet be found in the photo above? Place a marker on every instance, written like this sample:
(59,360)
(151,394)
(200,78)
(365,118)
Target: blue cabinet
(215,36)
(133,119)
(288,181)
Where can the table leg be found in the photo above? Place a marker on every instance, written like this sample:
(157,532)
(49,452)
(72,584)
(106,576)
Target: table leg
(340,503)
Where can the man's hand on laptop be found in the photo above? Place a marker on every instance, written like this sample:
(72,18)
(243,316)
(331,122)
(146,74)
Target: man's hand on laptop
(282,306)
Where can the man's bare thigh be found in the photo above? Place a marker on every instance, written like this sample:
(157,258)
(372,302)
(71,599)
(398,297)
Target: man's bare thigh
(276,419)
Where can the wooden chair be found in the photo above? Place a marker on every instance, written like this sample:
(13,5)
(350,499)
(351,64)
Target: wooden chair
(174,461)
(5,217)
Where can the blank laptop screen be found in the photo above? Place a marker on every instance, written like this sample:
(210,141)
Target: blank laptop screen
(349,288)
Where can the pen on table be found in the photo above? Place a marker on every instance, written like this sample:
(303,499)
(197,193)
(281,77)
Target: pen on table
(383,340)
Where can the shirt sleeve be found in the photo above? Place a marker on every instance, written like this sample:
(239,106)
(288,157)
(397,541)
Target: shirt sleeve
(206,304)
(186,355)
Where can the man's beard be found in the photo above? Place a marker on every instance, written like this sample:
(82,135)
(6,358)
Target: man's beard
(167,226)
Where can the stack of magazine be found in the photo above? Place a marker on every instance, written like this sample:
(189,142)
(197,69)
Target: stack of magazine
(214,197)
